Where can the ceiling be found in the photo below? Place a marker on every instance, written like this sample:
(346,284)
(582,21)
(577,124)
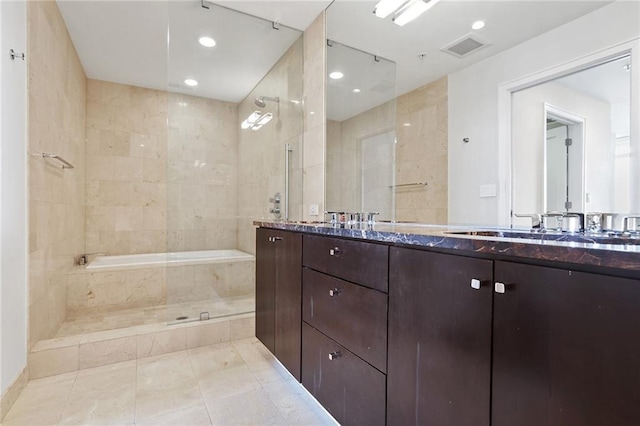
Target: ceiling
(126,41)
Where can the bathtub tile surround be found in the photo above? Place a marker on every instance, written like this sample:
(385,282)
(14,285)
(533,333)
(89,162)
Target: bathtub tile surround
(56,117)
(208,385)
(160,171)
(121,283)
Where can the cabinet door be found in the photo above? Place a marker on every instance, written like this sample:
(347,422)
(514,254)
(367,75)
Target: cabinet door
(439,339)
(346,386)
(566,348)
(265,288)
(288,312)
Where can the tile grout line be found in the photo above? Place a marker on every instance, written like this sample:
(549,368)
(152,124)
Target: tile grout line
(193,370)
(135,389)
(68,398)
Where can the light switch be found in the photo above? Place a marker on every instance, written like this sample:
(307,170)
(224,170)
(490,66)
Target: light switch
(488,191)
(313,210)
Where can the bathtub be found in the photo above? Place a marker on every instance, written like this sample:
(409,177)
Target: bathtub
(111,283)
(141,261)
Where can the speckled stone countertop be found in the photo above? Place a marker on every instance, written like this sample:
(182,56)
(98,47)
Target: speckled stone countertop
(616,256)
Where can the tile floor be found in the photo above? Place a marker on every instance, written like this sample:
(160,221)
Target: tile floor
(226,384)
(155,314)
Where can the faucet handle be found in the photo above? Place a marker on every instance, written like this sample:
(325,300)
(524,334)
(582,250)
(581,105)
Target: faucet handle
(631,224)
(535,218)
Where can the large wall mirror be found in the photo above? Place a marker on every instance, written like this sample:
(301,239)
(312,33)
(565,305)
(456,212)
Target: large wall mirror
(361,133)
(455,64)
(571,142)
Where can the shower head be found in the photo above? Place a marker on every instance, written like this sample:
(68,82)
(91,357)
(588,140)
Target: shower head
(260,101)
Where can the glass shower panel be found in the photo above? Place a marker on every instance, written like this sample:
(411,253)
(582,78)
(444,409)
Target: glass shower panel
(230,115)
(361,132)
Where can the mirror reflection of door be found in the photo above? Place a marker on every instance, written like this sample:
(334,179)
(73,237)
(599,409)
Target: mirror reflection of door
(378,174)
(563,164)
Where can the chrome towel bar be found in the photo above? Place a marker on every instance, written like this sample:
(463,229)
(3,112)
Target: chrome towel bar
(65,163)
(406,185)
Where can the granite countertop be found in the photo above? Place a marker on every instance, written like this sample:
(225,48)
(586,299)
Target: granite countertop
(551,247)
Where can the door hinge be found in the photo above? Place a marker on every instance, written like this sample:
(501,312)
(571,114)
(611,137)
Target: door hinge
(568,142)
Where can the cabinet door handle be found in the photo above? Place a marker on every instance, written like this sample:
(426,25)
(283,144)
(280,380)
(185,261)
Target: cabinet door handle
(277,239)
(334,355)
(334,292)
(500,287)
(476,284)
(334,251)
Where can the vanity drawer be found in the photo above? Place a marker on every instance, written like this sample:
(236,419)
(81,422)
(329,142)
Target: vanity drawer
(347,387)
(362,263)
(352,315)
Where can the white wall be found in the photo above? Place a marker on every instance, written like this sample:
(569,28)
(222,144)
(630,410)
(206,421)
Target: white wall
(528,124)
(473,101)
(13,192)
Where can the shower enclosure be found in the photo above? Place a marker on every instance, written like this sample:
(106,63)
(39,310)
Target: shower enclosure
(181,160)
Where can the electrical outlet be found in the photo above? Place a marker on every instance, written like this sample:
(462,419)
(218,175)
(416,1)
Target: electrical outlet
(313,210)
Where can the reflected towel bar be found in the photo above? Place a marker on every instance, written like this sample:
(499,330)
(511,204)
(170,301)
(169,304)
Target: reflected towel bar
(406,185)
(65,163)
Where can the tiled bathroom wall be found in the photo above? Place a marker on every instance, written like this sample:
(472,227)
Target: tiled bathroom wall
(421,153)
(261,153)
(315,60)
(56,117)
(160,171)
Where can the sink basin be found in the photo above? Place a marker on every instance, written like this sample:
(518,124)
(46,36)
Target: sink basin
(555,236)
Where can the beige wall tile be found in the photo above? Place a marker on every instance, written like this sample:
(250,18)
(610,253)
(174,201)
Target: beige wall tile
(106,352)
(215,332)
(53,361)
(56,120)
(162,342)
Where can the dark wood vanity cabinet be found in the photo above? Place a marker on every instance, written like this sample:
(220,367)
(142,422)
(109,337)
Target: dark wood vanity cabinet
(279,295)
(566,348)
(344,332)
(439,370)
(384,334)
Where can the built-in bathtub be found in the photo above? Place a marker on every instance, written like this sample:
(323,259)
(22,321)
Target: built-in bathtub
(136,261)
(114,283)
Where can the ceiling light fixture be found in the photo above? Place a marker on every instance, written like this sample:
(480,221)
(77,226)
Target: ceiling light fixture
(356,90)
(478,25)
(256,120)
(385,8)
(191,82)
(411,10)
(336,75)
(207,41)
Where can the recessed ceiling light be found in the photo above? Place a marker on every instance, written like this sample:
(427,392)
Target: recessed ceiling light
(478,25)
(191,82)
(336,75)
(406,124)
(356,90)
(207,41)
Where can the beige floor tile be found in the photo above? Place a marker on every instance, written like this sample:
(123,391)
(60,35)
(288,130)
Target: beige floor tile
(42,401)
(165,384)
(192,416)
(102,395)
(296,405)
(247,408)
(231,381)
(208,359)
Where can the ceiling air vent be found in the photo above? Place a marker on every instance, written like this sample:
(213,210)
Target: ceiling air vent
(464,46)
